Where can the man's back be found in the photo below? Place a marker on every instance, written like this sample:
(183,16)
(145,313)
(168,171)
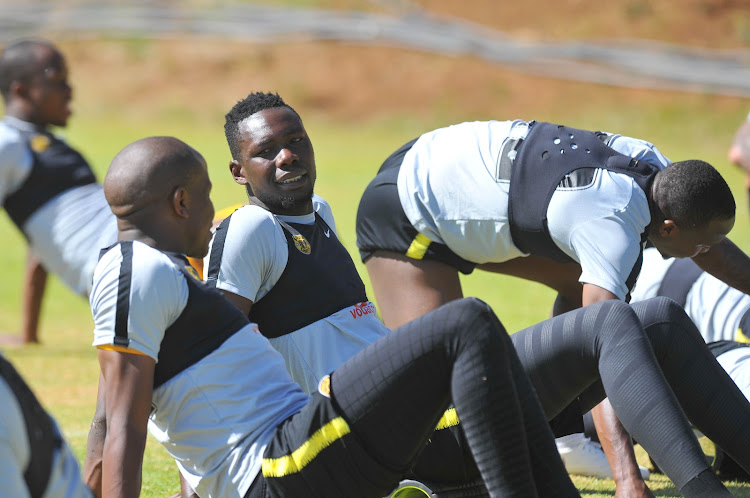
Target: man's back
(454,187)
(715,307)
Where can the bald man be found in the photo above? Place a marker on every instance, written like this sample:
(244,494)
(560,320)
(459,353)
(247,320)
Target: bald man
(47,187)
(174,352)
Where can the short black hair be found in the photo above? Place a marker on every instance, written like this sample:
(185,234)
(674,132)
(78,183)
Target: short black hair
(18,62)
(255,102)
(693,193)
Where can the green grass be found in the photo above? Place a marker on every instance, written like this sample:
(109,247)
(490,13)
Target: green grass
(63,369)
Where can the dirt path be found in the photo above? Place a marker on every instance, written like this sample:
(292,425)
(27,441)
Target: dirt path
(353,81)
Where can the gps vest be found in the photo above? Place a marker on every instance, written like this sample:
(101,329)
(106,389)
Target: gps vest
(44,438)
(319,279)
(56,168)
(549,153)
(206,322)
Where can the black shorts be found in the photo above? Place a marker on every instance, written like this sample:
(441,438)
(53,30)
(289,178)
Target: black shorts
(314,454)
(383,225)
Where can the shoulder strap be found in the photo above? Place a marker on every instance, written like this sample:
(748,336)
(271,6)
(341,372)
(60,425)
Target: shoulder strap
(217,251)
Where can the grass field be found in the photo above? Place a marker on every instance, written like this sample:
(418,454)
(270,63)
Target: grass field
(63,369)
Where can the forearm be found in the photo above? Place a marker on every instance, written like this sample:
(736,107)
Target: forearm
(186,491)
(618,447)
(92,466)
(35,282)
(615,442)
(127,403)
(739,152)
(728,263)
(122,463)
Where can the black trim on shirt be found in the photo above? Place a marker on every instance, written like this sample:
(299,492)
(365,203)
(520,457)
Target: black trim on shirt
(123,295)
(217,252)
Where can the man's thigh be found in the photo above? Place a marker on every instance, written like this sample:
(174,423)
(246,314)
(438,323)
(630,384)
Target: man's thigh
(406,288)
(314,454)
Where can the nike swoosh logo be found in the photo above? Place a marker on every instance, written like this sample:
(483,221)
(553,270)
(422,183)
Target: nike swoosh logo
(328,234)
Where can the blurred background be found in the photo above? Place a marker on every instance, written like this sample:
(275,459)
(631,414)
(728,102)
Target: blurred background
(366,77)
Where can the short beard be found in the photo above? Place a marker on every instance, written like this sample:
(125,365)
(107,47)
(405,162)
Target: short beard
(286,202)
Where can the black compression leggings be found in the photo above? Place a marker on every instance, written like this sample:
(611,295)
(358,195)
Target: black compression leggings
(393,393)
(603,349)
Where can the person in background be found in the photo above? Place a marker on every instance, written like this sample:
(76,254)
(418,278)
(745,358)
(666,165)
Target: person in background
(46,186)
(35,460)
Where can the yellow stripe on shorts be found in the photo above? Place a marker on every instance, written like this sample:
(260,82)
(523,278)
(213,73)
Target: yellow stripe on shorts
(449,419)
(291,464)
(418,247)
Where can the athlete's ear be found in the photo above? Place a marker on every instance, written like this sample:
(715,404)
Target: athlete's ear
(180,201)
(236,169)
(18,89)
(668,228)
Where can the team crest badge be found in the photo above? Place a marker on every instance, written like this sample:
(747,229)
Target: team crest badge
(324,386)
(39,143)
(301,243)
(192,271)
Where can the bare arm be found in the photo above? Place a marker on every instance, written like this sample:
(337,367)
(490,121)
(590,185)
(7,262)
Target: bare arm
(728,263)
(739,152)
(562,277)
(595,294)
(129,385)
(615,441)
(186,491)
(241,303)
(35,281)
(92,466)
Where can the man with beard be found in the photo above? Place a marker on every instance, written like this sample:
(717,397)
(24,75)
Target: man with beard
(278,259)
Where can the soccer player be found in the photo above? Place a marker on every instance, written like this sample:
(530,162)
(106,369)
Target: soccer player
(177,357)
(568,208)
(279,259)
(35,460)
(46,187)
